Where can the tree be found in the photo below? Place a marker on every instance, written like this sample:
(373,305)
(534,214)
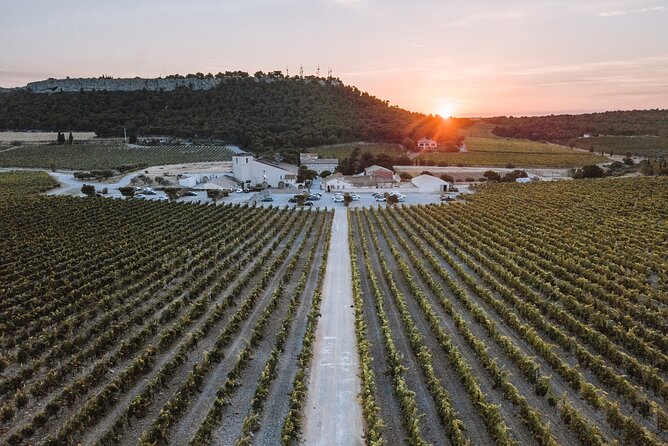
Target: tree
(304,173)
(214,194)
(402,161)
(173,193)
(325,173)
(88,190)
(592,171)
(426,172)
(301,198)
(391,199)
(347,199)
(71,138)
(132,139)
(409,144)
(405,176)
(127,191)
(448,178)
(515,174)
(61,138)
(492,176)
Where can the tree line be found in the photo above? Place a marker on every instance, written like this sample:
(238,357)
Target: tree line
(259,116)
(563,127)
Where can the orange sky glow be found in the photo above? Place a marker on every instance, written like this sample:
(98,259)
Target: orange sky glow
(463,58)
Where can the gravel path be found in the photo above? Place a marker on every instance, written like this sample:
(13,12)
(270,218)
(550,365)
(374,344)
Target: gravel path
(334,383)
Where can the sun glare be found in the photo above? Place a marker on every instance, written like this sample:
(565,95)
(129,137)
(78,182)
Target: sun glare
(446,110)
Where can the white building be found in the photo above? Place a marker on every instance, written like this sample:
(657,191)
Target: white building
(428,183)
(251,172)
(380,171)
(426,143)
(338,182)
(313,162)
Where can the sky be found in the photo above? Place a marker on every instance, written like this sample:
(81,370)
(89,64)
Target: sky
(451,57)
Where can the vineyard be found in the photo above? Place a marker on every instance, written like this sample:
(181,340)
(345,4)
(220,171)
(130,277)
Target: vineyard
(625,145)
(127,322)
(89,156)
(486,151)
(530,314)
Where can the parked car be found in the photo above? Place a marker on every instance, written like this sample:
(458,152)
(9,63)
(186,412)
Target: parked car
(355,197)
(380,198)
(314,197)
(401,198)
(267,199)
(308,203)
(292,200)
(239,190)
(149,192)
(162,198)
(140,196)
(376,194)
(190,194)
(338,199)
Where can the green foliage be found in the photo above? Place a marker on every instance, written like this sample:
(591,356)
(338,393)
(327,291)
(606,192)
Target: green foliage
(625,145)
(257,115)
(213,194)
(566,127)
(592,171)
(304,173)
(88,190)
(127,191)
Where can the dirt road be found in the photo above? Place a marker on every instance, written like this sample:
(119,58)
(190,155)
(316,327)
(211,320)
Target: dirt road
(333,415)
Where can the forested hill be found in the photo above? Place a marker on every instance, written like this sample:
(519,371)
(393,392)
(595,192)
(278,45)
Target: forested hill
(255,113)
(563,127)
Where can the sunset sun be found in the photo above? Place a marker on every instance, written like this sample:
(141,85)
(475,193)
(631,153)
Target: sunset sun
(446,109)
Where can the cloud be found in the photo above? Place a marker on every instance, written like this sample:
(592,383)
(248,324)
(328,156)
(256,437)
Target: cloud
(621,12)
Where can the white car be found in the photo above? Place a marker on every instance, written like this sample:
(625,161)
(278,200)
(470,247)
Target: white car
(338,199)
(162,198)
(140,196)
(337,196)
(239,190)
(355,197)
(381,198)
(401,198)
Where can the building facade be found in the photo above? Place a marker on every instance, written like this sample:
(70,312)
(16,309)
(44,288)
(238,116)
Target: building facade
(313,162)
(252,172)
(428,183)
(426,143)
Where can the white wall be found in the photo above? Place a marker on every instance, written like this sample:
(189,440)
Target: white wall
(321,167)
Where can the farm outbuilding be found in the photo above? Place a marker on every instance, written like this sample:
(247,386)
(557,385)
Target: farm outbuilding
(428,183)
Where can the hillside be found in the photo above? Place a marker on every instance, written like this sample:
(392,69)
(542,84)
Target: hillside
(564,127)
(260,114)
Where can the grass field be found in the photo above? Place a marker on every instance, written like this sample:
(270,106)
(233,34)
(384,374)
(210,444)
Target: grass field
(108,156)
(519,153)
(130,322)
(8,137)
(344,150)
(478,130)
(534,314)
(625,145)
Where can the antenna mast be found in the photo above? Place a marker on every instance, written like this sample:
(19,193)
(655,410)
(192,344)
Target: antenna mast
(287,71)
(317,72)
(301,70)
